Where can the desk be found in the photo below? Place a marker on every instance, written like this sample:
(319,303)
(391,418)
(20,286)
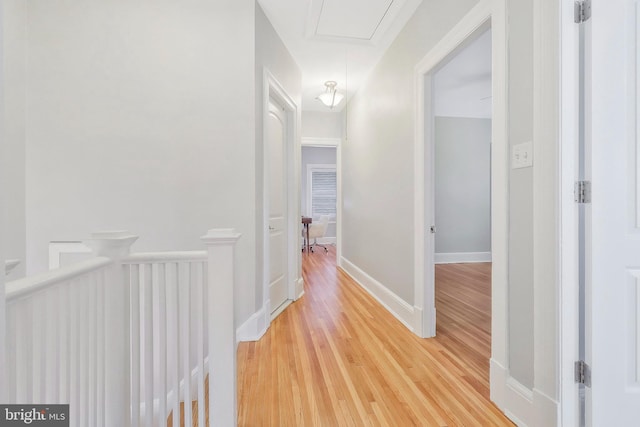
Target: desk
(305,222)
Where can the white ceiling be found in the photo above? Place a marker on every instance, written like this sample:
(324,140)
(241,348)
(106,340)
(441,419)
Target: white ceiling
(339,40)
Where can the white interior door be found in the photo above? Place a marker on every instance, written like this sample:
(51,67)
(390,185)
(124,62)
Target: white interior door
(275,150)
(613,267)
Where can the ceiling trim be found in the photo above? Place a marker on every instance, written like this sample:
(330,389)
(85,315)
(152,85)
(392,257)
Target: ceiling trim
(387,19)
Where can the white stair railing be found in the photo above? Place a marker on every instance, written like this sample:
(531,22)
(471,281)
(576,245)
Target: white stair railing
(54,347)
(168,324)
(125,338)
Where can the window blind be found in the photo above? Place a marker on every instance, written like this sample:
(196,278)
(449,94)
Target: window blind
(323,193)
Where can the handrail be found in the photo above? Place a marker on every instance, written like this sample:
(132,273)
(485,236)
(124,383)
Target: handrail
(176,256)
(29,285)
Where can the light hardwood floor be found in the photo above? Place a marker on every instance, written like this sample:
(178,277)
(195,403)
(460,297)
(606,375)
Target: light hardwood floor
(336,357)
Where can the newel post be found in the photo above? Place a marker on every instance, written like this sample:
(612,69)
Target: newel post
(221,329)
(116,245)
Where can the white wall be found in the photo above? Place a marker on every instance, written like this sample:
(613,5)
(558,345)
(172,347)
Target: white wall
(2,209)
(272,54)
(141,117)
(520,66)
(14,132)
(463,185)
(378,154)
(322,125)
(315,156)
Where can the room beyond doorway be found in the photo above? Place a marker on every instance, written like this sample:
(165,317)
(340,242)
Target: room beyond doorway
(319,190)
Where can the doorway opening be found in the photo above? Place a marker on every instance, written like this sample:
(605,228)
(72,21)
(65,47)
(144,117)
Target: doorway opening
(482,18)
(320,193)
(320,178)
(460,188)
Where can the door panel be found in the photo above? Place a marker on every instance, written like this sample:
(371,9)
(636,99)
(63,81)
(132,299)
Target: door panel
(276,141)
(613,268)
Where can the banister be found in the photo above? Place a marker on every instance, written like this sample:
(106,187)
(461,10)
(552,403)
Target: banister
(174,256)
(32,284)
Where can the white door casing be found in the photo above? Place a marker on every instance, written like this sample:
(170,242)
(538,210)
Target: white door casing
(288,114)
(493,14)
(275,141)
(476,22)
(613,217)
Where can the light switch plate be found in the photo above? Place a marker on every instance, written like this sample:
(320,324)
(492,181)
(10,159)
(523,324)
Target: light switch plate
(522,155)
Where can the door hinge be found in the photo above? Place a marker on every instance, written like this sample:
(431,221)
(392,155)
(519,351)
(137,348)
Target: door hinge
(581,11)
(583,373)
(582,192)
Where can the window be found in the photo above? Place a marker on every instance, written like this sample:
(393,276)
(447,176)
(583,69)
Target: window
(321,191)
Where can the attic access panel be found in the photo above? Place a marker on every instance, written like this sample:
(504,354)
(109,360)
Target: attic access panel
(349,19)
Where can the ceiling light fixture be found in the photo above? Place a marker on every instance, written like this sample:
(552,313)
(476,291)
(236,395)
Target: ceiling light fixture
(330,97)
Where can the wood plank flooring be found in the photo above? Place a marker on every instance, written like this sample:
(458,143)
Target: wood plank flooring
(337,358)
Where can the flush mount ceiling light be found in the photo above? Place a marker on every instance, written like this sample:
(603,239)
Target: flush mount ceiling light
(330,97)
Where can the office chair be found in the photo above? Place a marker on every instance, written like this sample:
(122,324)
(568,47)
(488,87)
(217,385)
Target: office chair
(317,230)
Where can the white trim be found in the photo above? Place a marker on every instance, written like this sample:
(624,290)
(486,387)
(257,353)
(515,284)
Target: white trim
(498,382)
(389,26)
(545,409)
(476,21)
(513,395)
(461,257)
(320,142)
(282,307)
(56,249)
(398,307)
(339,203)
(525,407)
(519,401)
(254,327)
(273,90)
(568,326)
(546,209)
(493,14)
(299,288)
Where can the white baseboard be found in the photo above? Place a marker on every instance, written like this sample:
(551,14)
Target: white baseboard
(546,409)
(497,382)
(513,398)
(255,327)
(519,403)
(418,314)
(402,311)
(461,257)
(275,313)
(299,288)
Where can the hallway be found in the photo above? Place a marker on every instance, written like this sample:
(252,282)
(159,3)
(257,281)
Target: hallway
(336,357)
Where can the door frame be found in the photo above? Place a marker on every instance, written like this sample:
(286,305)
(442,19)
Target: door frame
(568,292)
(274,91)
(486,14)
(337,143)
